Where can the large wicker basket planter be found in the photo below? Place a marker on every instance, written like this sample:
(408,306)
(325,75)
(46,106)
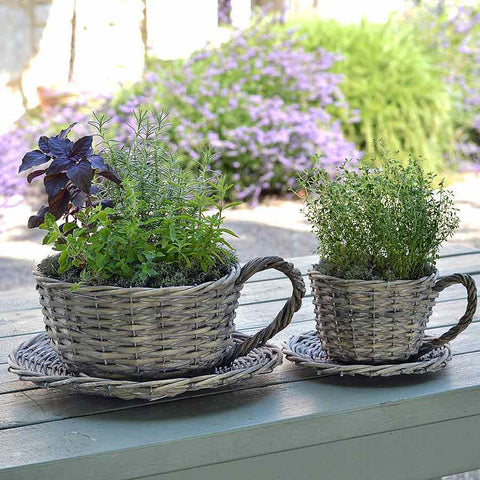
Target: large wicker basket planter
(377,321)
(150,333)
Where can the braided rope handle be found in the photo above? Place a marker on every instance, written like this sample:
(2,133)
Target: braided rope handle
(285,315)
(444,282)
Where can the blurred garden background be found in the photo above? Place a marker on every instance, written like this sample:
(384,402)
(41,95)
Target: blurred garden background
(267,85)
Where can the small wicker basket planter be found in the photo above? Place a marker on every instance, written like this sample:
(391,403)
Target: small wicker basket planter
(150,333)
(377,322)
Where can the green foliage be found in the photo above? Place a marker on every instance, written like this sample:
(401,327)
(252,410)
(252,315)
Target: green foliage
(393,79)
(164,220)
(451,30)
(106,245)
(377,223)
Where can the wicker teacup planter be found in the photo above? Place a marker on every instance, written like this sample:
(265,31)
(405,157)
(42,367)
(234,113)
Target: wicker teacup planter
(377,322)
(150,333)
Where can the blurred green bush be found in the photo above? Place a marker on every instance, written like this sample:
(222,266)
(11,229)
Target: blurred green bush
(451,31)
(393,79)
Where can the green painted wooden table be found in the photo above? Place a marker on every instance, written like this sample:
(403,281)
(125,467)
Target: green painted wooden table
(285,425)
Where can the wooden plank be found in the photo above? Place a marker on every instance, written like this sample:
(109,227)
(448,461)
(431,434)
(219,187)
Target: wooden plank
(453,248)
(162,438)
(284,372)
(411,453)
(21,322)
(251,312)
(38,405)
(18,299)
(10,383)
(22,408)
(446,313)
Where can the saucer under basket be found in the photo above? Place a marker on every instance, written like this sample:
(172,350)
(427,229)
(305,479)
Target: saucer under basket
(306,350)
(35,361)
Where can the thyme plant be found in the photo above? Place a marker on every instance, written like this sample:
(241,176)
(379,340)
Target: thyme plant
(378,223)
(162,228)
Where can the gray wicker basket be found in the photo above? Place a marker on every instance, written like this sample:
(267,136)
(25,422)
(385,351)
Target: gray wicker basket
(150,333)
(377,322)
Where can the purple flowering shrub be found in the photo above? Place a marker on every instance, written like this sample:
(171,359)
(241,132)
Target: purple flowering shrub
(224,11)
(263,103)
(11,186)
(23,137)
(260,100)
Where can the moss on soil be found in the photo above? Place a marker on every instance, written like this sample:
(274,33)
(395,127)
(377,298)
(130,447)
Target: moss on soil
(169,275)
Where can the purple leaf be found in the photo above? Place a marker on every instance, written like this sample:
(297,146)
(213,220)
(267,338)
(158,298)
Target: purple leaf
(111,175)
(60,164)
(78,198)
(32,159)
(107,203)
(43,144)
(59,146)
(81,175)
(82,146)
(55,183)
(96,161)
(36,220)
(34,174)
(59,203)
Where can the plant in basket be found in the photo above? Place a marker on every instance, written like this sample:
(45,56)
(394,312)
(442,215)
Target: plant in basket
(379,231)
(144,284)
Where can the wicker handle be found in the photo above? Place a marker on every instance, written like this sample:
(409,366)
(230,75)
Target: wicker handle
(444,282)
(285,315)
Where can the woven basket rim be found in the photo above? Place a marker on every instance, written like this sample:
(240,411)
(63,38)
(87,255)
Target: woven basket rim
(313,273)
(227,278)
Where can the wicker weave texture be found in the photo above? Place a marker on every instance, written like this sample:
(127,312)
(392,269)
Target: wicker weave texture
(35,361)
(148,333)
(306,350)
(377,322)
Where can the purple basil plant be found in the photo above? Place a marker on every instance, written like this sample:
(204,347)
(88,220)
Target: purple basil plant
(68,170)
(24,135)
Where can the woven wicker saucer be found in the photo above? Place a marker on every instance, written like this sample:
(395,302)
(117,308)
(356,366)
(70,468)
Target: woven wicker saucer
(35,361)
(306,350)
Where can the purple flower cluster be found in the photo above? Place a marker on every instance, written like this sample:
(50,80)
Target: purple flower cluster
(224,11)
(264,104)
(260,100)
(11,185)
(23,137)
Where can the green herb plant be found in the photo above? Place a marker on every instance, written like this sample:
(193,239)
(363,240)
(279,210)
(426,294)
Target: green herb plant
(378,223)
(162,228)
